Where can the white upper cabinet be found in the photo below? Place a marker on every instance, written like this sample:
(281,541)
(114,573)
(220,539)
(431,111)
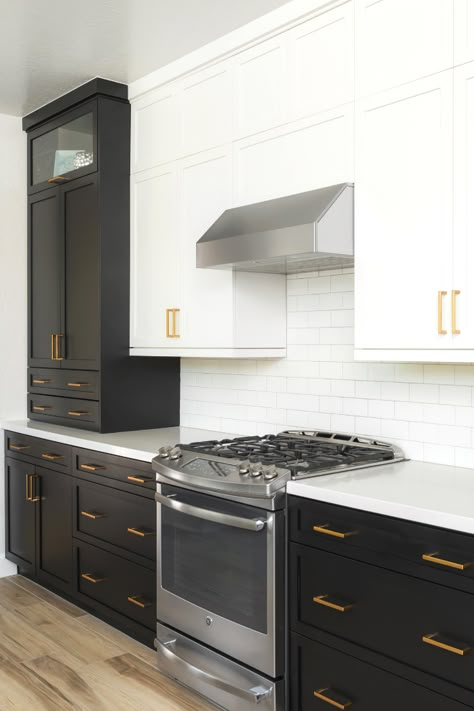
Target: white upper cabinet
(153,117)
(403,218)
(398,41)
(321,62)
(463,31)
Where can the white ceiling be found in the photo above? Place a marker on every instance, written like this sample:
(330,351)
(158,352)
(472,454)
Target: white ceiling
(48,47)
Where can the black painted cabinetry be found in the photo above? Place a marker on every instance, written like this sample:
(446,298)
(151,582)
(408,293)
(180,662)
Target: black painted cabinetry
(79,263)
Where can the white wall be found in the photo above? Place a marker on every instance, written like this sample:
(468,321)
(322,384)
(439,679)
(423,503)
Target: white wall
(427,409)
(13,304)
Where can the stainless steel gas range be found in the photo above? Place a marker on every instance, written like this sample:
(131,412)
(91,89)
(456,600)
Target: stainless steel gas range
(221,556)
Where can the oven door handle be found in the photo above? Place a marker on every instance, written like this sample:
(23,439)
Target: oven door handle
(249,524)
(254,695)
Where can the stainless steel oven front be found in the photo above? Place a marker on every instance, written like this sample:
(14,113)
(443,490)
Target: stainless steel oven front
(221,566)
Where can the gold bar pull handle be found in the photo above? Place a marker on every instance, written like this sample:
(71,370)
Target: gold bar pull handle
(143,533)
(139,480)
(92,514)
(454,329)
(53,346)
(171,329)
(436,558)
(40,381)
(33,479)
(51,457)
(27,487)
(77,385)
(58,346)
(334,604)
(42,408)
(58,179)
(437,640)
(91,578)
(139,601)
(324,528)
(18,447)
(333,698)
(175,311)
(441,330)
(91,467)
(77,413)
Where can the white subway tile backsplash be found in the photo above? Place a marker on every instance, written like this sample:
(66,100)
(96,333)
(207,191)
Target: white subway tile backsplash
(428,410)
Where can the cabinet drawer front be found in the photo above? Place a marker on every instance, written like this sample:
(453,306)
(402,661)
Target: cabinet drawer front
(433,553)
(128,471)
(79,413)
(117,583)
(81,384)
(50,453)
(116,517)
(427,626)
(320,675)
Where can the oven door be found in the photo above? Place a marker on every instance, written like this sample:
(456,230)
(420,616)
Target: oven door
(221,575)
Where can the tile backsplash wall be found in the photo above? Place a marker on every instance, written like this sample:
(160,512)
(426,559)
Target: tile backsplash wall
(427,409)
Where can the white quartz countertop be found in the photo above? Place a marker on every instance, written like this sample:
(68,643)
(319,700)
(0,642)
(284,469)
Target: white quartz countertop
(433,494)
(142,444)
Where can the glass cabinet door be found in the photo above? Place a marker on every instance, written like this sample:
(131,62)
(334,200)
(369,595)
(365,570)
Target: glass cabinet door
(63,152)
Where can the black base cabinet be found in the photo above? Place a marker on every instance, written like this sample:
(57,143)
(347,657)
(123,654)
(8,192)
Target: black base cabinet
(84,526)
(381,612)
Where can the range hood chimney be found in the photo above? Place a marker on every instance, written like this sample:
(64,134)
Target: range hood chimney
(309,231)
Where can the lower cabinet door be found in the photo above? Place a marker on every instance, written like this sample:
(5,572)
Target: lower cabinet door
(20,510)
(323,679)
(54,528)
(116,583)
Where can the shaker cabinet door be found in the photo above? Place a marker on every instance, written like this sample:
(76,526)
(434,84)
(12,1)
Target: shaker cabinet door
(20,510)
(45,255)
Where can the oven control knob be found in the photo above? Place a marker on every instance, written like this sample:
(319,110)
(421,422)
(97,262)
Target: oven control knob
(244,468)
(175,453)
(164,452)
(256,470)
(270,472)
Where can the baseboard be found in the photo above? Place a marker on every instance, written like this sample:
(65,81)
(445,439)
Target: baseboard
(7,568)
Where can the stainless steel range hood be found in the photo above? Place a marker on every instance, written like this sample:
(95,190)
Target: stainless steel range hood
(305,232)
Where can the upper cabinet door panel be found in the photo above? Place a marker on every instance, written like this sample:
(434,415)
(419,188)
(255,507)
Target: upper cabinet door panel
(206,110)
(403,215)
(261,97)
(398,41)
(154,257)
(155,130)
(206,191)
(463,31)
(321,62)
(312,153)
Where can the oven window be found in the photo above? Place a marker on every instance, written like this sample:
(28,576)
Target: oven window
(220,568)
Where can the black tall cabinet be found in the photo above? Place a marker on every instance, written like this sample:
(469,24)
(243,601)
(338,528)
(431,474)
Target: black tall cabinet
(80,372)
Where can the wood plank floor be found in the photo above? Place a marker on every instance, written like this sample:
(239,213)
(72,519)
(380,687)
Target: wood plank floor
(55,656)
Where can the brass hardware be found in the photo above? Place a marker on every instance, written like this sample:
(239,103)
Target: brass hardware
(41,408)
(171,332)
(89,514)
(92,578)
(29,488)
(436,640)
(18,447)
(77,413)
(138,480)
(40,381)
(52,347)
(138,532)
(454,330)
(57,179)
(323,528)
(76,385)
(58,336)
(55,346)
(441,330)
(52,457)
(134,599)
(338,703)
(338,605)
(434,558)
(91,467)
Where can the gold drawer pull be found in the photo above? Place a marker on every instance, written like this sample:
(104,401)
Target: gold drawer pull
(77,385)
(441,330)
(91,467)
(135,600)
(42,408)
(323,528)
(57,179)
(335,699)
(91,514)
(77,413)
(434,558)
(436,640)
(52,457)
(454,329)
(335,605)
(92,578)
(140,532)
(40,381)
(171,330)
(139,480)
(18,447)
